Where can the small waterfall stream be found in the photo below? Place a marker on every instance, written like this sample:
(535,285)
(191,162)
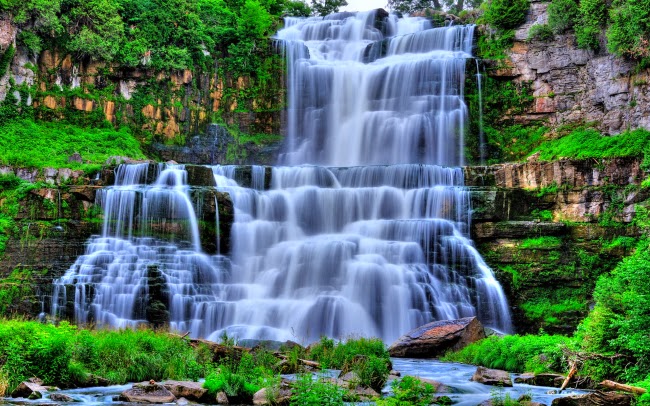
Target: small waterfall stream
(374,242)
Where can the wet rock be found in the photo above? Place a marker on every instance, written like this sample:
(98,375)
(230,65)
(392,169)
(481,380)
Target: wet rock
(553,380)
(272,396)
(595,399)
(200,176)
(222,398)
(61,397)
(193,391)
(30,389)
(494,377)
(434,339)
(146,392)
(438,386)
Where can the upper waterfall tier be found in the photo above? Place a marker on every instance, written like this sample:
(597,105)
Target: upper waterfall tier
(368,92)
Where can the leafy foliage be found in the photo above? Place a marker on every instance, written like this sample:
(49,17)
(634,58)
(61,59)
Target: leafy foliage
(409,391)
(238,378)
(325,7)
(593,18)
(540,32)
(629,30)
(506,14)
(562,15)
(309,392)
(41,144)
(620,321)
(540,353)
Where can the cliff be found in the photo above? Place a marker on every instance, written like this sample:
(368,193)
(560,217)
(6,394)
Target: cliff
(571,85)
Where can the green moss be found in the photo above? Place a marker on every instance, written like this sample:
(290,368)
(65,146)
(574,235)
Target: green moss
(545,243)
(552,311)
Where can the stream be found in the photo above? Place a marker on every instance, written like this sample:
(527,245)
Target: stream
(454,375)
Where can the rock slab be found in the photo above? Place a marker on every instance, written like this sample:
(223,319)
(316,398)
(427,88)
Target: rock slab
(436,338)
(193,391)
(495,377)
(146,392)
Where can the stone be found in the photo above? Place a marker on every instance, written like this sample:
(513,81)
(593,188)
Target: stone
(31,389)
(200,176)
(193,391)
(268,396)
(436,338)
(494,377)
(595,399)
(365,394)
(146,392)
(61,397)
(222,398)
(438,386)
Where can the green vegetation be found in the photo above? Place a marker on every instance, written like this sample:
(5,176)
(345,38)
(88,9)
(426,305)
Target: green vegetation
(16,287)
(310,392)
(372,368)
(562,15)
(240,377)
(505,14)
(409,391)
(529,353)
(540,32)
(64,355)
(25,143)
(551,311)
(541,243)
(588,143)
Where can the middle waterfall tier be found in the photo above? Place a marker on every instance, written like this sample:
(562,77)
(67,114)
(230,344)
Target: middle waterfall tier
(371,251)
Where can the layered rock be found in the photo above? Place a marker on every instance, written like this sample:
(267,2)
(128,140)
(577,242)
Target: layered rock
(436,338)
(572,85)
(494,377)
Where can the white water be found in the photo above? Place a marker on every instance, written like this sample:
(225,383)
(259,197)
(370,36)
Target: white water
(337,250)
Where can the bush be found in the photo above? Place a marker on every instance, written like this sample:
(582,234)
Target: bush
(593,18)
(629,31)
(562,15)
(506,14)
(515,353)
(619,325)
(540,32)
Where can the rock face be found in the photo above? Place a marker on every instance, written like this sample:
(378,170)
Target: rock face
(572,85)
(31,389)
(193,391)
(595,399)
(146,392)
(434,339)
(494,377)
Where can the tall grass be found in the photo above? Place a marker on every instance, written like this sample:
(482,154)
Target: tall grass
(26,143)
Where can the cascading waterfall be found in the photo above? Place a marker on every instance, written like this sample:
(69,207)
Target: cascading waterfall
(340,249)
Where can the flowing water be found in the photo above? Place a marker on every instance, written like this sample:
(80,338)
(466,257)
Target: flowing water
(374,242)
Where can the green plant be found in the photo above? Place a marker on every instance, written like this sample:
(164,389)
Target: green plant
(562,15)
(409,391)
(593,18)
(506,14)
(540,32)
(545,242)
(308,391)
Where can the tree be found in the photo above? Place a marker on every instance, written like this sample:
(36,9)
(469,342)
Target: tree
(325,7)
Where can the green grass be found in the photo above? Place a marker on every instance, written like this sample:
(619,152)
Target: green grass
(515,353)
(26,143)
(589,143)
(551,311)
(545,242)
(62,355)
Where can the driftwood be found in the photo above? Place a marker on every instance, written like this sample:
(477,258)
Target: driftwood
(572,372)
(622,387)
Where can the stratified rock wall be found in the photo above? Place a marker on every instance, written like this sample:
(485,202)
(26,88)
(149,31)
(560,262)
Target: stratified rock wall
(573,85)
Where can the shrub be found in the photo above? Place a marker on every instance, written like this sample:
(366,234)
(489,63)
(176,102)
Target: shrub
(562,15)
(629,30)
(540,32)
(593,18)
(506,14)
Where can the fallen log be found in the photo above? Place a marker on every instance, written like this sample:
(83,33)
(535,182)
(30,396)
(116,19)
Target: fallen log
(572,371)
(622,387)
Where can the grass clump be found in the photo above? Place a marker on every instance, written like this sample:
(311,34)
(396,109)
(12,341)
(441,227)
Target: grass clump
(308,391)
(409,391)
(367,357)
(27,143)
(528,353)
(589,143)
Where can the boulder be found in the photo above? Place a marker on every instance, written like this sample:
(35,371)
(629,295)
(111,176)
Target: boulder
(595,399)
(31,389)
(552,380)
(436,338)
(61,397)
(364,394)
(494,377)
(438,386)
(146,392)
(200,176)
(193,391)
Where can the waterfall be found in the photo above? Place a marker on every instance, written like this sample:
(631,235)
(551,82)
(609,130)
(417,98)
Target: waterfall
(363,230)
